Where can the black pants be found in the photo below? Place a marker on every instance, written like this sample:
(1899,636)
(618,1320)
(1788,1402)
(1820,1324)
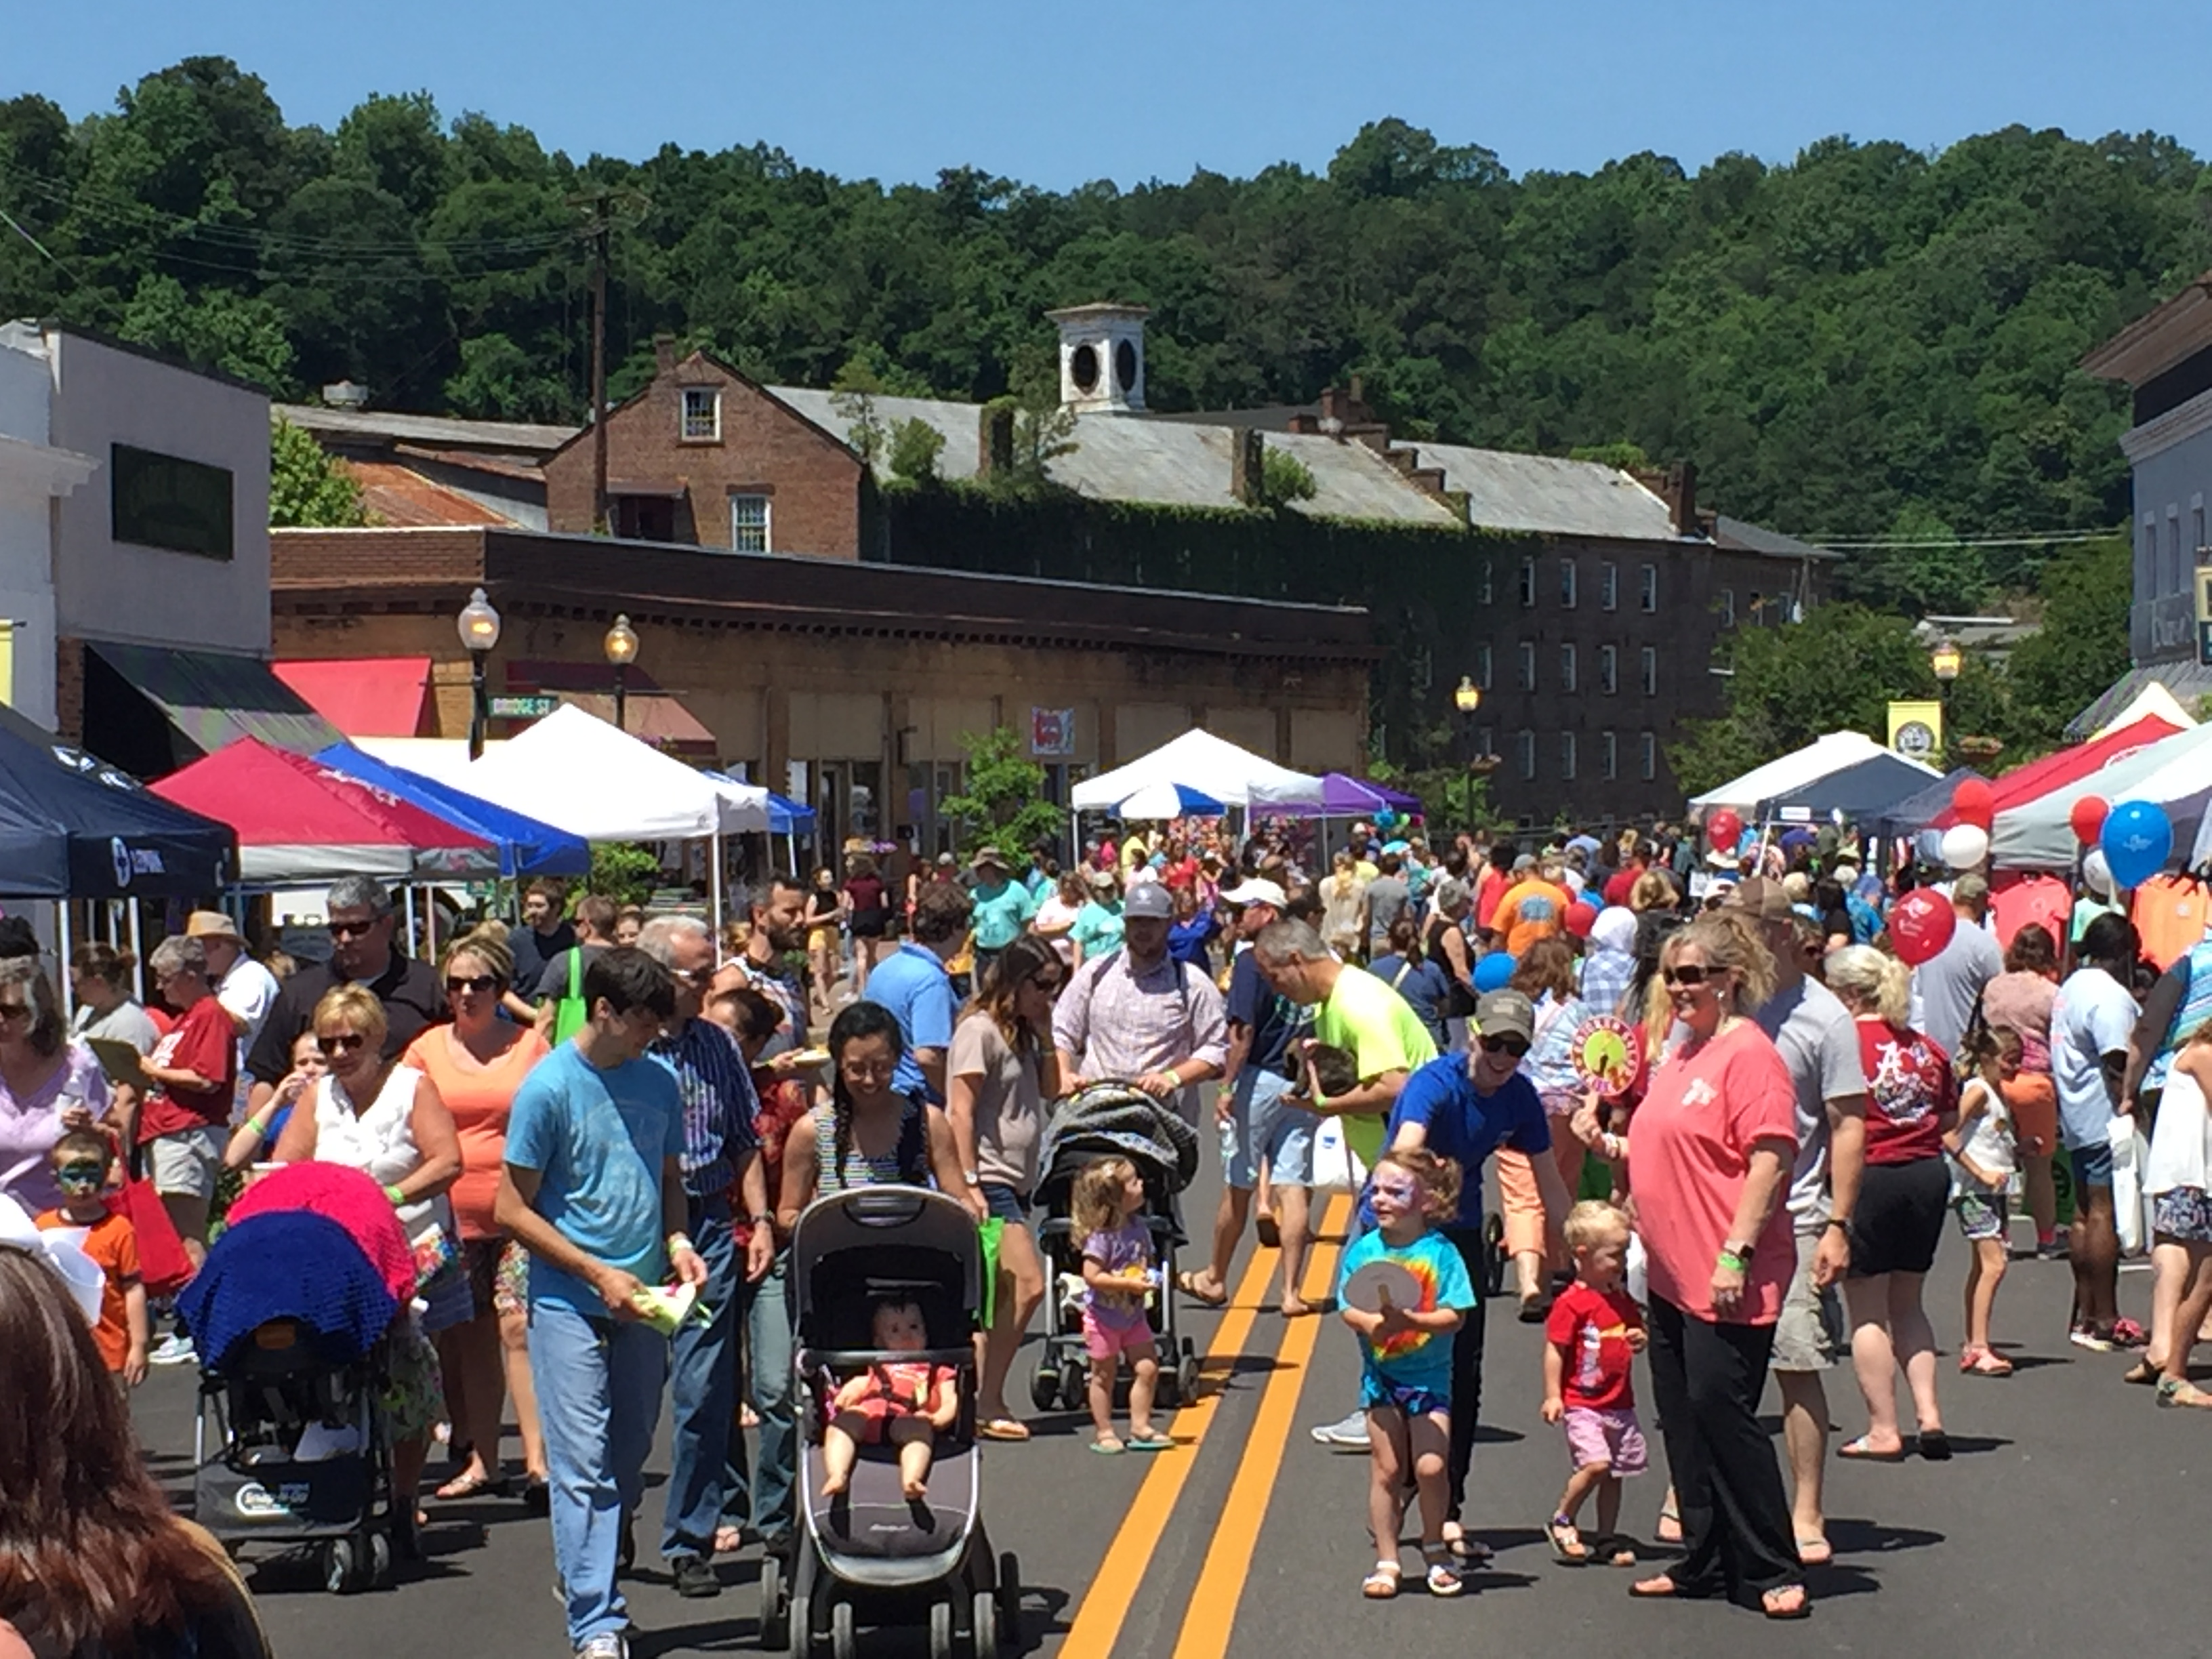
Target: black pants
(1467,1367)
(1706,1378)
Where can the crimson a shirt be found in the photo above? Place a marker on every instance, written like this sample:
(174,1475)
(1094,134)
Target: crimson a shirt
(1593,1327)
(1909,1087)
(205,1041)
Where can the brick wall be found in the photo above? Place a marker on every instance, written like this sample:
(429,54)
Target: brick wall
(69,689)
(811,480)
(336,560)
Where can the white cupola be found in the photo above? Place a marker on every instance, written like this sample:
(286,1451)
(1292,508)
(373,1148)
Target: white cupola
(1102,358)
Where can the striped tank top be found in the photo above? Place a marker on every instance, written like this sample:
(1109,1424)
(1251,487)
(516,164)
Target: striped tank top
(904,1165)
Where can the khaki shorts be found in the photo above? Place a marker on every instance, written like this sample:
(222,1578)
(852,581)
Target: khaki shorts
(1810,1334)
(186,1161)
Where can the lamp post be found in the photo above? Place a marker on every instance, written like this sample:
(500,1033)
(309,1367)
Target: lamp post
(1946,661)
(622,652)
(1467,697)
(478,625)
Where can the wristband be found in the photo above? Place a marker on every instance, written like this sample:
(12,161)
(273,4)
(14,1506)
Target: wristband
(396,1197)
(1732,1262)
(759,1221)
(680,1241)
(259,1125)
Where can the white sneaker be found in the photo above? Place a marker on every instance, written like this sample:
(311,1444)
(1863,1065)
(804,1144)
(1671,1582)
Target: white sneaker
(1348,1434)
(174,1349)
(608,1646)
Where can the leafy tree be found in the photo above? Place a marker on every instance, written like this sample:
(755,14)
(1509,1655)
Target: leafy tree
(2082,645)
(1283,478)
(216,329)
(915,447)
(624,870)
(1003,801)
(307,487)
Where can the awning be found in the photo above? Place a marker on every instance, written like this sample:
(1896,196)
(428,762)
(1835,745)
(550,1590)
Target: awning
(365,696)
(205,699)
(661,721)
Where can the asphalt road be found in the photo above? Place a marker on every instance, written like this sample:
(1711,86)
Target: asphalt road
(2072,1520)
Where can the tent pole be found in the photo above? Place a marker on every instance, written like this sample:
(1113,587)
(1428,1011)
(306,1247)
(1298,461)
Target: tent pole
(137,957)
(714,883)
(414,944)
(62,938)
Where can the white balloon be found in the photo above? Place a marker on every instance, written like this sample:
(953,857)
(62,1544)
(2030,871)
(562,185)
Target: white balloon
(1964,845)
(2098,873)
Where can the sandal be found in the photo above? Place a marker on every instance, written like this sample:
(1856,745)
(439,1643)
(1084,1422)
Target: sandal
(2173,1391)
(1443,1573)
(1472,1551)
(1661,1588)
(2142,1373)
(1615,1551)
(1987,1362)
(1002,1428)
(1188,1284)
(1567,1547)
(1108,1445)
(1381,1583)
(1670,1524)
(1814,1551)
(1151,1440)
(468,1486)
(1861,1450)
(1773,1607)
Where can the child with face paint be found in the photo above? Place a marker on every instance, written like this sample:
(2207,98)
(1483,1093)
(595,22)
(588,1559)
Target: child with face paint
(81,1158)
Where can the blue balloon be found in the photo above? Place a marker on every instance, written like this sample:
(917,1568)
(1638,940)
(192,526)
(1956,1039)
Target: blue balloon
(1494,971)
(2137,839)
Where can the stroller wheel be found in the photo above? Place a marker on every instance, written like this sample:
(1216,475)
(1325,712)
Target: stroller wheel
(1044,1388)
(1073,1387)
(337,1565)
(798,1628)
(775,1616)
(1186,1374)
(986,1611)
(844,1639)
(940,1630)
(379,1562)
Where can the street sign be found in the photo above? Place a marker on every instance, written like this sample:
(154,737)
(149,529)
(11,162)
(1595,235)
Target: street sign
(523,708)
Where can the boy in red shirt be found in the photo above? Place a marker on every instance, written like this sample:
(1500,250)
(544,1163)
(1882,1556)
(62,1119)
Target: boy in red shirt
(80,1159)
(1594,1331)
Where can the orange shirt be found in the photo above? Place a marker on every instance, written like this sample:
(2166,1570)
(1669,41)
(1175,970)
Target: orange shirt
(113,1244)
(480,1097)
(1530,910)
(2170,912)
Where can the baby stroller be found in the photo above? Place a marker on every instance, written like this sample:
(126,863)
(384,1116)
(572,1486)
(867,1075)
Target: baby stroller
(1110,1120)
(289,1443)
(874,1555)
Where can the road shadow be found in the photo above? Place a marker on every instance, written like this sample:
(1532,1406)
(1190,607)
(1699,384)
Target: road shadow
(1849,1535)
(729,1632)
(1054,1622)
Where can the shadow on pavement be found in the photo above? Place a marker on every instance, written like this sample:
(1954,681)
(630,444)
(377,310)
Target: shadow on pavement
(1857,1537)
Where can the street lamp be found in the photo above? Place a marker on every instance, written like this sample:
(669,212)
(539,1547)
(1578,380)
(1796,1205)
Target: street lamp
(1466,698)
(1945,661)
(478,625)
(622,652)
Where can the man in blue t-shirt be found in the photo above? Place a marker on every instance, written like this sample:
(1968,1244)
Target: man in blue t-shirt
(912,983)
(593,1189)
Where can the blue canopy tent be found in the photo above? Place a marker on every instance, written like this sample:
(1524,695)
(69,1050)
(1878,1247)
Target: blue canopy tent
(1861,793)
(1903,819)
(787,816)
(526,847)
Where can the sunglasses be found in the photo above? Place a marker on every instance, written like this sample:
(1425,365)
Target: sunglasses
(1047,983)
(1691,973)
(343,1043)
(480,983)
(13,1011)
(352,929)
(701,977)
(1513,1046)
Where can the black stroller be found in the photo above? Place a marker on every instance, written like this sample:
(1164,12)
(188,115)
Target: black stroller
(289,1442)
(874,1555)
(1110,1120)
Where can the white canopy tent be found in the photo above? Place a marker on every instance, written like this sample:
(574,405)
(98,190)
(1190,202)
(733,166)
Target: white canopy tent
(1201,762)
(2175,772)
(1793,771)
(2153,699)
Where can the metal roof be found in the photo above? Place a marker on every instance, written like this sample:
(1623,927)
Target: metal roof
(507,437)
(1546,495)
(960,424)
(1739,537)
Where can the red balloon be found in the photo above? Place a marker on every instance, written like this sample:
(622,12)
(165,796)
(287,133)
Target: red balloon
(1725,829)
(2087,818)
(1921,925)
(1975,803)
(1581,917)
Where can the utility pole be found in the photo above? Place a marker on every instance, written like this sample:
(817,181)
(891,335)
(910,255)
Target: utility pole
(605,207)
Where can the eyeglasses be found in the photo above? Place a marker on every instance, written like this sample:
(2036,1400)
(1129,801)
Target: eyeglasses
(1690,973)
(1513,1046)
(701,977)
(353,929)
(1047,983)
(15,1011)
(480,983)
(340,1042)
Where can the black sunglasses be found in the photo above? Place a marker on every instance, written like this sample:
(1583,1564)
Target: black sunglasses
(353,929)
(1690,973)
(479,983)
(344,1042)
(1513,1046)
(1047,983)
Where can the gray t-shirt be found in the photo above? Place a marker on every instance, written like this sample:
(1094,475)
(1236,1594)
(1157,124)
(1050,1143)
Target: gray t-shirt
(1009,1102)
(1387,899)
(1819,1043)
(126,1022)
(1947,988)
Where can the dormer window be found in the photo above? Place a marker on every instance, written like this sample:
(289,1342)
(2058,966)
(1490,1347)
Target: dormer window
(702,415)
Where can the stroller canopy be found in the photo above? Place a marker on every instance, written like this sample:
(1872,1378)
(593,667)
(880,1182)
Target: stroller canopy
(287,1264)
(1122,1120)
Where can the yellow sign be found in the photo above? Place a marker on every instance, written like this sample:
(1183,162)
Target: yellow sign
(1916,729)
(8,663)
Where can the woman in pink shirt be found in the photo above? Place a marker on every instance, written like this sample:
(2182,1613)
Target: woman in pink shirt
(1709,1155)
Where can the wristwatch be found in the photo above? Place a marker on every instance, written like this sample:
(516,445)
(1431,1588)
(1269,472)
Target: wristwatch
(971,1178)
(759,1221)
(1839,1221)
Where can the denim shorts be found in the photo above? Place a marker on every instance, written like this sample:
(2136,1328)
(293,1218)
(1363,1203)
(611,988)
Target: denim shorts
(1260,1126)
(1377,1395)
(2093,1165)
(1005,1203)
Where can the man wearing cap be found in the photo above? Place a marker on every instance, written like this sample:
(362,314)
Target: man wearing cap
(1255,1126)
(1138,1015)
(1002,908)
(244,989)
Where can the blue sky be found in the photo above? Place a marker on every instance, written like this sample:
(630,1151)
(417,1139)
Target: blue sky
(1054,94)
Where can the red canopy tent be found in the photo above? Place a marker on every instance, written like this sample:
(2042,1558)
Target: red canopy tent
(2039,778)
(300,821)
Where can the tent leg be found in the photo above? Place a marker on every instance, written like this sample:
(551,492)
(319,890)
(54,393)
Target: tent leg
(407,900)
(62,950)
(714,883)
(137,955)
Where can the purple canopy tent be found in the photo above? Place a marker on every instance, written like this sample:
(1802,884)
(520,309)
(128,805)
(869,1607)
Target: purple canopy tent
(1343,796)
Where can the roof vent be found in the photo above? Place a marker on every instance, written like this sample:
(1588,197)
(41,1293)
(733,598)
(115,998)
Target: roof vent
(1102,358)
(344,394)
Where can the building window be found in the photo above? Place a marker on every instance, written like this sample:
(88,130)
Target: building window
(2177,581)
(1651,587)
(1486,583)
(1608,669)
(1567,755)
(1482,665)
(1527,583)
(1568,679)
(702,415)
(1609,755)
(1527,745)
(1567,583)
(1651,670)
(1527,666)
(1608,585)
(1754,608)
(2197,531)
(749,517)
(2147,557)
(1650,755)
(1485,740)
(1728,607)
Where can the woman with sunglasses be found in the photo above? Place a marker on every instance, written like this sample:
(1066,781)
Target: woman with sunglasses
(385,1119)
(476,1063)
(50,1084)
(1709,1154)
(1001,1072)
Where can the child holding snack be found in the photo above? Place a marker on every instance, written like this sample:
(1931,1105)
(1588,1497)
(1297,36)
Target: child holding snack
(905,1404)
(1406,1360)
(1118,1275)
(80,1160)
(1593,1332)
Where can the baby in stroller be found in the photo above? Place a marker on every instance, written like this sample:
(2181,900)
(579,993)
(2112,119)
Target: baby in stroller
(906,1405)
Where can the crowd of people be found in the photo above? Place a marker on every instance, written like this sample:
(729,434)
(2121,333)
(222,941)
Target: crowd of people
(590,1104)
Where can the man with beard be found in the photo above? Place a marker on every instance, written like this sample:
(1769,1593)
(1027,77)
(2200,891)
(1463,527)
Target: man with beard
(915,984)
(778,932)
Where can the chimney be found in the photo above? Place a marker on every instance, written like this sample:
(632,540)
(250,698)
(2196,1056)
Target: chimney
(1247,464)
(664,353)
(1102,358)
(1681,494)
(345,394)
(995,440)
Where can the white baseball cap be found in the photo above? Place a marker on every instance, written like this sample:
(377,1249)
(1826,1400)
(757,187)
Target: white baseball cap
(1254,889)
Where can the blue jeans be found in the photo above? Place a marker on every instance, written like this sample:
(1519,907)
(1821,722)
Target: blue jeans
(703,1388)
(767,1370)
(598,1398)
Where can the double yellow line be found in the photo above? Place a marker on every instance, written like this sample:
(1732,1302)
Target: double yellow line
(1212,1611)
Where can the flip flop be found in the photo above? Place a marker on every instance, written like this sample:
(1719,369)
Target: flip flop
(1802,1610)
(1467,1549)
(1661,1588)
(1936,1445)
(1188,1284)
(2142,1373)
(1858,1451)
(465,1487)
(1154,1442)
(1567,1547)
(1002,1428)
(1814,1551)
(1108,1449)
